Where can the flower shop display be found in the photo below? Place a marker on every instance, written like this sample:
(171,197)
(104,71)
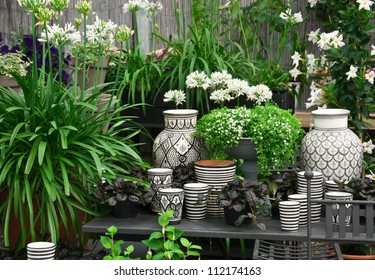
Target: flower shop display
(331,147)
(196,199)
(54,145)
(172,199)
(160,178)
(176,145)
(243,200)
(217,174)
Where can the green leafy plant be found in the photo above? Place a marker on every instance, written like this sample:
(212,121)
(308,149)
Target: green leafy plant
(276,132)
(114,247)
(243,194)
(54,146)
(168,243)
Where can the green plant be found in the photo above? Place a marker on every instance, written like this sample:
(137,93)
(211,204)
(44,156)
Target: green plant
(53,144)
(276,132)
(240,194)
(168,244)
(164,245)
(114,247)
(343,76)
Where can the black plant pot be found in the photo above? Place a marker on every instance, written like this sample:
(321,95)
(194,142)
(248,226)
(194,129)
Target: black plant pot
(232,215)
(125,209)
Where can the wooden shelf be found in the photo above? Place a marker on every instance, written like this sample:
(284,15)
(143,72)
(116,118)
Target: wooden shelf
(306,118)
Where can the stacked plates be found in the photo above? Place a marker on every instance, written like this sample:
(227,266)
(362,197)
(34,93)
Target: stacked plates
(217,174)
(196,200)
(331,186)
(289,215)
(41,251)
(316,192)
(302,199)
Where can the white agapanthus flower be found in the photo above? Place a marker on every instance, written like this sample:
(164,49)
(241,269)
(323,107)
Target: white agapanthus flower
(101,32)
(152,8)
(370,77)
(33,5)
(220,95)
(61,36)
(352,73)
(365,4)
(133,6)
(368,147)
(259,93)
(177,96)
(219,79)
(197,79)
(237,87)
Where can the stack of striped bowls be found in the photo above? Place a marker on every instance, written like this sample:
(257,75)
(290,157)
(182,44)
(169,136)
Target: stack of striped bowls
(41,251)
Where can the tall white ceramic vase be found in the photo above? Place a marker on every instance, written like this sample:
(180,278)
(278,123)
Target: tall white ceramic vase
(176,144)
(331,147)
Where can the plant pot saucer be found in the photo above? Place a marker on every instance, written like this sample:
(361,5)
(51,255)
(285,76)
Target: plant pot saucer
(214,163)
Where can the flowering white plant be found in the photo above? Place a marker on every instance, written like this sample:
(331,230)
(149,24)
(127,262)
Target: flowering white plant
(177,96)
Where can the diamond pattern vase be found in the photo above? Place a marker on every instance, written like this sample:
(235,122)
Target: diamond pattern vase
(176,145)
(331,147)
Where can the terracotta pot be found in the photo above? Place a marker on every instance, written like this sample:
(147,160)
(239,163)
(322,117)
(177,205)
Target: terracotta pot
(358,257)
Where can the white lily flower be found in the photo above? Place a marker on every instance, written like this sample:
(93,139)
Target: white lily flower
(365,4)
(352,73)
(368,147)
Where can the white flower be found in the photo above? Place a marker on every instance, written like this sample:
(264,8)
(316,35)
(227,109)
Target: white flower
(371,176)
(370,77)
(61,36)
(368,147)
(313,36)
(295,72)
(365,4)
(337,41)
(177,96)
(286,15)
(237,87)
(324,41)
(152,8)
(373,50)
(101,32)
(220,95)
(259,93)
(312,3)
(352,73)
(219,79)
(296,58)
(322,107)
(133,6)
(197,80)
(297,17)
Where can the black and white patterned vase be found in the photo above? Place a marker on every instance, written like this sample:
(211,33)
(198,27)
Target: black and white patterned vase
(172,199)
(160,178)
(331,147)
(176,145)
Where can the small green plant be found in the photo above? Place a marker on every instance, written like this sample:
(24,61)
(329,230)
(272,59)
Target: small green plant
(115,247)
(166,244)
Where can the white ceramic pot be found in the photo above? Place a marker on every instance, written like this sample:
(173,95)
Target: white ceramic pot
(160,178)
(176,145)
(172,199)
(331,147)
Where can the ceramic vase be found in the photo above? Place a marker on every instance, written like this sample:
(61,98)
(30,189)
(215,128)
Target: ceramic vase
(196,195)
(246,150)
(217,174)
(160,178)
(331,147)
(172,199)
(176,145)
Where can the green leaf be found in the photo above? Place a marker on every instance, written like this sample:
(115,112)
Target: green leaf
(129,249)
(186,243)
(153,244)
(112,230)
(106,242)
(120,258)
(32,155)
(41,151)
(156,235)
(158,256)
(15,132)
(168,245)
(193,253)
(196,247)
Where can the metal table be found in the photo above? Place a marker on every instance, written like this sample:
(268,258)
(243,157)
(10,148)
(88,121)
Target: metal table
(146,223)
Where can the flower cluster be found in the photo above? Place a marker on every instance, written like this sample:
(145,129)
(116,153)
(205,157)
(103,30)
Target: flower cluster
(291,18)
(176,96)
(224,87)
(134,6)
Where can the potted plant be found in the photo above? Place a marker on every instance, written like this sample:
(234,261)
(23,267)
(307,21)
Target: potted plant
(243,200)
(274,133)
(124,196)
